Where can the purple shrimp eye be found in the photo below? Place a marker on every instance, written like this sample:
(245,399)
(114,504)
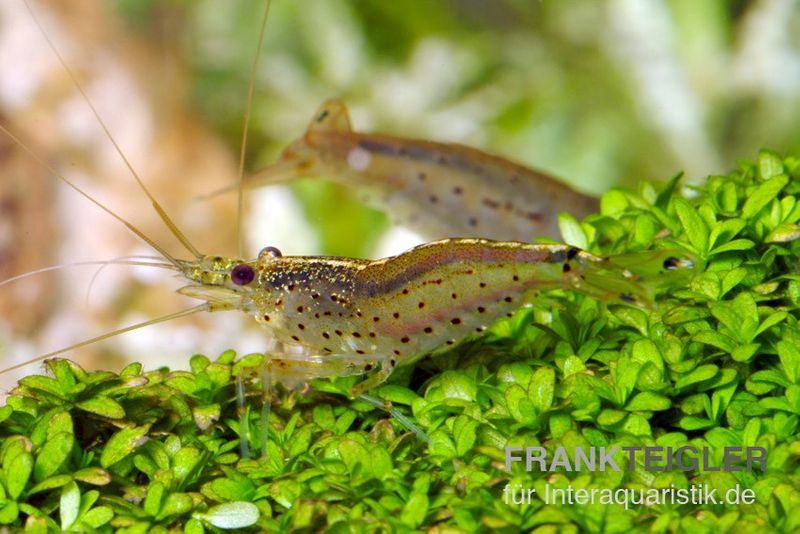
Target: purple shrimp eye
(242,274)
(269,252)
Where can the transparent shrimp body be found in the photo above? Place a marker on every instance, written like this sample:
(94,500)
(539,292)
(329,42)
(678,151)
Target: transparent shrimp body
(436,189)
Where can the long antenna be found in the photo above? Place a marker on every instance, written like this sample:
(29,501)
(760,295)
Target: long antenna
(161,213)
(184,313)
(246,127)
(91,199)
(104,263)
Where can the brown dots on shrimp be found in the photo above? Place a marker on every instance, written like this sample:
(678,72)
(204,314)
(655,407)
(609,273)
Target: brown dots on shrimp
(301,326)
(455,320)
(326,335)
(433,199)
(356,334)
(472,221)
(428,330)
(266,318)
(421,305)
(566,268)
(296,338)
(405,339)
(457,190)
(396,315)
(322,116)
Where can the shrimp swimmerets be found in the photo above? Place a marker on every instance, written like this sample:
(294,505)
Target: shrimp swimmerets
(436,189)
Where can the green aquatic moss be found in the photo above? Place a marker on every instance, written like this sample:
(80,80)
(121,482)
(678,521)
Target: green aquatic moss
(715,364)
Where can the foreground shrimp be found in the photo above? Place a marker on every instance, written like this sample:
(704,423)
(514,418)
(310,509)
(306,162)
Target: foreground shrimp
(351,316)
(436,189)
(354,316)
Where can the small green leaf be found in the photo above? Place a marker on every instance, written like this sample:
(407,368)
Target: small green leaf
(542,388)
(93,475)
(648,401)
(103,406)
(353,454)
(789,355)
(97,517)
(154,498)
(736,244)
(51,483)
(415,510)
(176,504)
(613,202)
(464,428)
(397,394)
(694,227)
(571,231)
(8,512)
(770,165)
(783,233)
(69,505)
(763,195)
(17,473)
(226,489)
(231,515)
(122,444)
(44,384)
(53,455)
(700,374)
(456,385)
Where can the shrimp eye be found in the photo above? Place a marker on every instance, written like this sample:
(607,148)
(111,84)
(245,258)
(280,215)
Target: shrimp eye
(269,252)
(242,274)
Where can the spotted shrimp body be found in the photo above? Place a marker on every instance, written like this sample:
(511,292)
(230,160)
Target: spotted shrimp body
(352,316)
(436,189)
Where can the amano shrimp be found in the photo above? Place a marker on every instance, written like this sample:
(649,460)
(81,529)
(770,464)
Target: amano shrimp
(436,189)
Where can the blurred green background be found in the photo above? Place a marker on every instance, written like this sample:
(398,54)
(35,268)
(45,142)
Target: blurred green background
(599,93)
